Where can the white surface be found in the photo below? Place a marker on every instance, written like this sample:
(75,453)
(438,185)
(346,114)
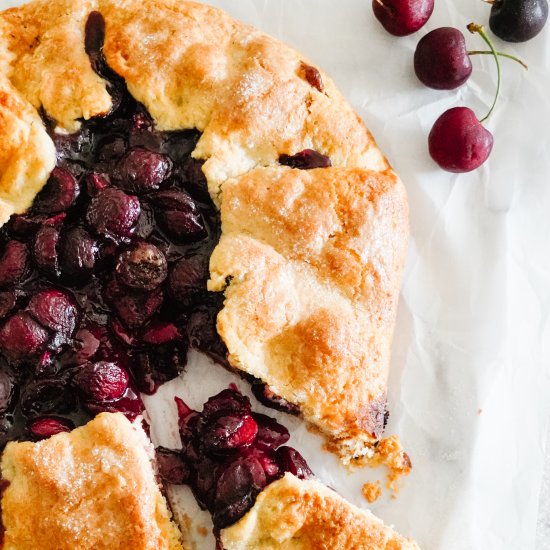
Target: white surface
(470,386)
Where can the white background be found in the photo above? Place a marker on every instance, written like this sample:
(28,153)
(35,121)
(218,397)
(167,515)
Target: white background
(470,385)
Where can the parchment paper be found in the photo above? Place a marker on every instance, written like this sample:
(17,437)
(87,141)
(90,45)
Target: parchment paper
(469,392)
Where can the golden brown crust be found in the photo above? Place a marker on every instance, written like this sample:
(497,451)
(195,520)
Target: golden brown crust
(27,154)
(292,514)
(313,259)
(91,489)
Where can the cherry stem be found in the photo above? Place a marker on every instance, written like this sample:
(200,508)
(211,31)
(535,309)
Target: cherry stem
(473,28)
(500,54)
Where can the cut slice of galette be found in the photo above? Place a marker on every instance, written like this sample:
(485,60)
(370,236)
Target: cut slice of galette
(173,179)
(92,488)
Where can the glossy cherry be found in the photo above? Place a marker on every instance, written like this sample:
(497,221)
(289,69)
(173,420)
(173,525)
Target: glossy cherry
(458,142)
(402,17)
(441,59)
(518,20)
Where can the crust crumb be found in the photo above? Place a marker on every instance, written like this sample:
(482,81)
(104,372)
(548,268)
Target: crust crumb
(372,491)
(390,453)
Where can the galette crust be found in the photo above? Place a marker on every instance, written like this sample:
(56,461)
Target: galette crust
(91,489)
(313,260)
(293,514)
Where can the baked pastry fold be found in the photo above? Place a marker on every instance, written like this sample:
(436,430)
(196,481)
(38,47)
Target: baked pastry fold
(91,489)
(294,514)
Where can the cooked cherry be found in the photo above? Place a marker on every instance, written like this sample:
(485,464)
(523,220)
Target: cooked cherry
(195,180)
(171,466)
(518,20)
(46,426)
(458,142)
(142,266)
(134,308)
(179,215)
(143,171)
(60,192)
(292,461)
(227,401)
(271,434)
(187,280)
(102,381)
(79,255)
(203,336)
(402,17)
(306,160)
(229,432)
(13,263)
(46,396)
(55,310)
(111,148)
(7,390)
(158,365)
(130,405)
(7,302)
(236,490)
(265,395)
(113,213)
(161,333)
(22,338)
(45,251)
(96,182)
(441,60)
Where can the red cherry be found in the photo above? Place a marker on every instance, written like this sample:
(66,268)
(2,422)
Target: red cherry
(402,17)
(458,142)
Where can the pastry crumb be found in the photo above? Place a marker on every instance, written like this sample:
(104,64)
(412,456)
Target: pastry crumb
(390,453)
(372,491)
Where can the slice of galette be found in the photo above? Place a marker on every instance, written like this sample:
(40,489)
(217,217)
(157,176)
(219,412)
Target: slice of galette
(261,492)
(91,489)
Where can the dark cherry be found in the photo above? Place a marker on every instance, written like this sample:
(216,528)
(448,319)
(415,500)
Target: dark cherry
(59,193)
(113,213)
(195,180)
(271,434)
(236,490)
(402,17)
(441,60)
(45,251)
(143,171)
(518,20)
(187,280)
(46,426)
(179,215)
(7,302)
(171,466)
(458,142)
(22,338)
(306,160)
(111,148)
(161,332)
(102,381)
(142,266)
(46,396)
(96,182)
(202,334)
(232,454)
(265,395)
(7,390)
(79,255)
(229,432)
(14,263)
(292,461)
(130,405)
(55,310)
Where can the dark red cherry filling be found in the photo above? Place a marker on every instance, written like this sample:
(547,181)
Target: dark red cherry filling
(103,280)
(229,455)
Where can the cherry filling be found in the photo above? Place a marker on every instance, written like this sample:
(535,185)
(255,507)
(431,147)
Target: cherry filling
(229,455)
(103,280)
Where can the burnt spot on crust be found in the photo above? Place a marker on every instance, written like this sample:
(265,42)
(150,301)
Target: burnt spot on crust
(306,160)
(312,76)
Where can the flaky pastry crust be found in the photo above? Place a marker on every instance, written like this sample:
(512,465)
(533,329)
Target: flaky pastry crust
(91,489)
(312,262)
(293,514)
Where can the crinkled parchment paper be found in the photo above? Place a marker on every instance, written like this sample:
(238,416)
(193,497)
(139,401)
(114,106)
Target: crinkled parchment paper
(470,388)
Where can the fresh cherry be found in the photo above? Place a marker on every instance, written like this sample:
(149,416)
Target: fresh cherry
(402,17)
(518,20)
(441,60)
(458,142)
